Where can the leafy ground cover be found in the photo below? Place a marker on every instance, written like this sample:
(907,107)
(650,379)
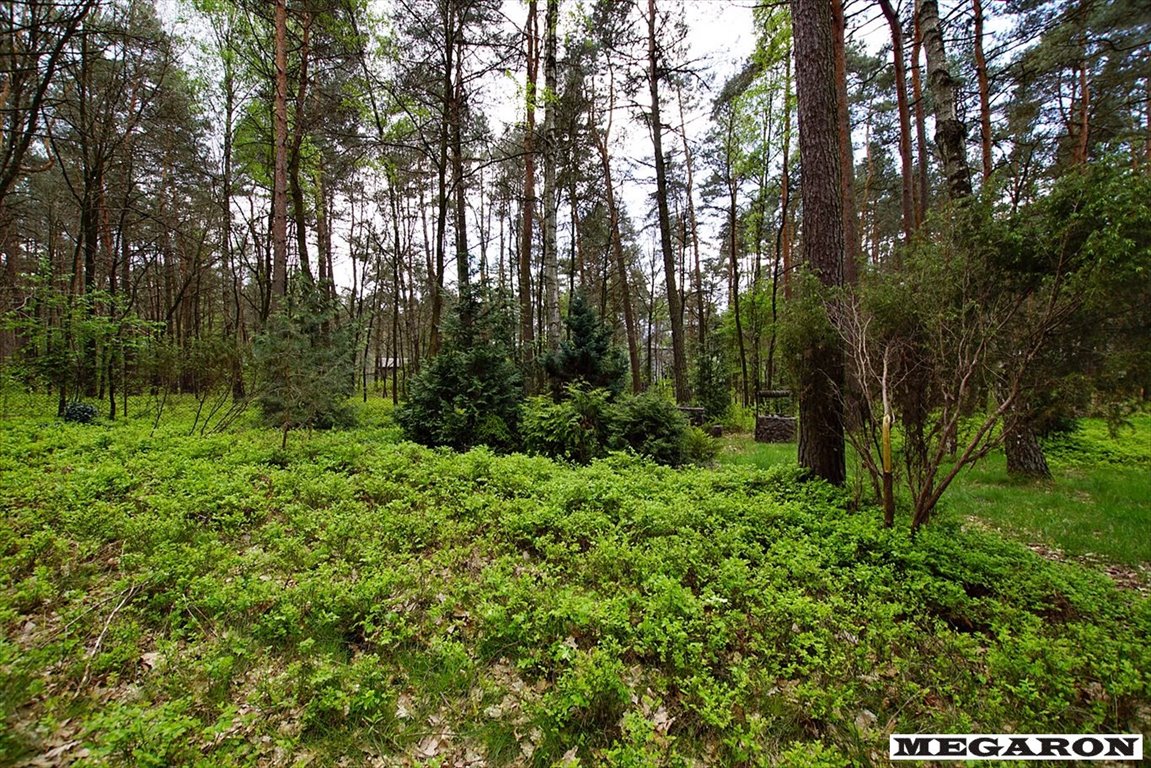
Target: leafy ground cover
(1096,506)
(172,599)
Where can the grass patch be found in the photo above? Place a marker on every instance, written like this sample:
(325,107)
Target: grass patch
(171,599)
(1098,502)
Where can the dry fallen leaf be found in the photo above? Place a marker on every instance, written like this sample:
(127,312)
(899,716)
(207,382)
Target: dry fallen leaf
(428,747)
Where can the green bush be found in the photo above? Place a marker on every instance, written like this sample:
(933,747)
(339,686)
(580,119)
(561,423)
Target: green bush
(80,413)
(712,386)
(464,398)
(588,424)
(471,393)
(699,447)
(578,429)
(653,427)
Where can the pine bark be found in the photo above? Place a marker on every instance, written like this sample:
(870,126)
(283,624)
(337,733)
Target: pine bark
(1021,446)
(922,194)
(984,91)
(907,186)
(527,326)
(621,266)
(279,234)
(846,153)
(551,258)
(679,358)
(697,280)
(463,257)
(296,187)
(821,428)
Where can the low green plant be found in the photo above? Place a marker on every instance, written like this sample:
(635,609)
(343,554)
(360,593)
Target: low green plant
(578,428)
(172,599)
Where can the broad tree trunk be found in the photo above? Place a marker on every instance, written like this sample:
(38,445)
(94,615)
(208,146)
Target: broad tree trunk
(821,429)
(1021,446)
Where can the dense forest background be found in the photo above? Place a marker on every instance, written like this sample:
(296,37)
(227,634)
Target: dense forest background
(904,212)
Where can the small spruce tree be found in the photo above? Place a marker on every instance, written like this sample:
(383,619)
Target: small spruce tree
(588,355)
(471,393)
(304,364)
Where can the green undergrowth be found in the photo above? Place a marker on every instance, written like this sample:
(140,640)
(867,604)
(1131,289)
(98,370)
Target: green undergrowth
(1097,503)
(168,599)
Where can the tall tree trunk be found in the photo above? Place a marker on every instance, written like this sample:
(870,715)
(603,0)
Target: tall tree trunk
(922,191)
(233,322)
(781,265)
(1147,113)
(950,132)
(551,298)
(846,153)
(527,324)
(697,278)
(279,233)
(984,94)
(1083,131)
(629,319)
(733,251)
(907,187)
(299,209)
(784,236)
(463,258)
(9,283)
(447,84)
(679,358)
(821,430)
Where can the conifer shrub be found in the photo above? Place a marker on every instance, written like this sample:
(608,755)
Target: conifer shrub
(80,413)
(588,355)
(712,388)
(653,427)
(471,393)
(588,424)
(304,364)
(579,428)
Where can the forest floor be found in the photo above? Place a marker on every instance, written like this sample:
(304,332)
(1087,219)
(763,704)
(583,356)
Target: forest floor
(168,598)
(1095,508)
